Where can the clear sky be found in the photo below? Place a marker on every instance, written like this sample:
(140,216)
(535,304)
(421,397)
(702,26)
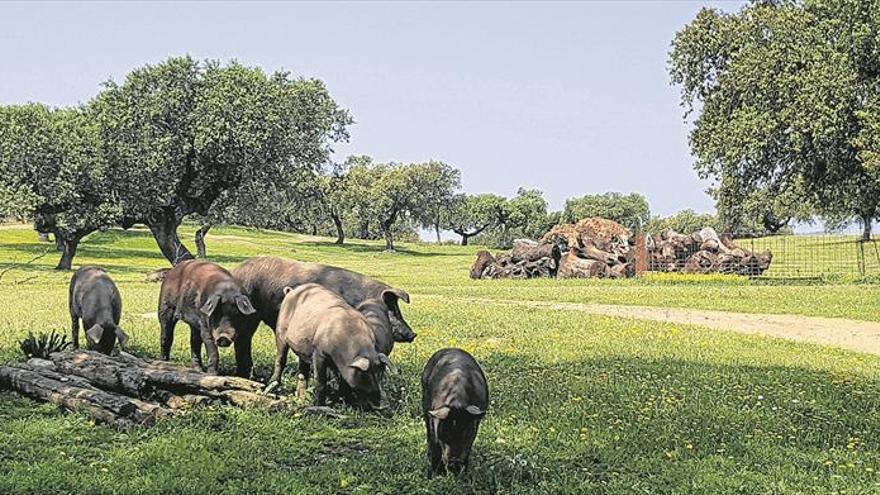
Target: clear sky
(571,98)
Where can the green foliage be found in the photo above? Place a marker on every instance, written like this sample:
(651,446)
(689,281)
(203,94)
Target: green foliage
(43,344)
(440,182)
(761,210)
(684,222)
(787,97)
(53,170)
(524,215)
(470,214)
(181,134)
(629,210)
(391,194)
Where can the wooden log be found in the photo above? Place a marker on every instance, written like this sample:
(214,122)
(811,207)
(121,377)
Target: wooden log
(621,270)
(571,266)
(701,262)
(532,251)
(140,381)
(102,407)
(484,259)
(591,251)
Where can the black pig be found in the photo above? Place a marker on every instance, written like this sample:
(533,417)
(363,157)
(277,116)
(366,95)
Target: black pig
(210,301)
(454,400)
(95,299)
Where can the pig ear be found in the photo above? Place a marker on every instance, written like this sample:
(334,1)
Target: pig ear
(389,295)
(210,305)
(244,305)
(440,413)
(287,289)
(475,411)
(95,333)
(388,364)
(361,363)
(122,337)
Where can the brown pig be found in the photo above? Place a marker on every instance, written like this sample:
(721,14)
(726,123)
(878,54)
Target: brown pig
(210,301)
(325,331)
(95,300)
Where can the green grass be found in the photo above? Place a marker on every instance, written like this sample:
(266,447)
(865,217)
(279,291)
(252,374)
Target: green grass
(579,403)
(818,255)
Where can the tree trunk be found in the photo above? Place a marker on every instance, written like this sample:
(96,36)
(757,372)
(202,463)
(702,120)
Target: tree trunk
(164,229)
(389,237)
(340,231)
(201,249)
(866,228)
(437,230)
(68,242)
(464,239)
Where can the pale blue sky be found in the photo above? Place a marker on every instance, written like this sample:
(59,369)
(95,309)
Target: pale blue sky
(571,98)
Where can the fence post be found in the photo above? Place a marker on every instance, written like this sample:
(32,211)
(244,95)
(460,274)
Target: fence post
(641,255)
(861,255)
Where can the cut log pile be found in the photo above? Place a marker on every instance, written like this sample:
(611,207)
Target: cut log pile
(704,252)
(599,248)
(591,248)
(125,391)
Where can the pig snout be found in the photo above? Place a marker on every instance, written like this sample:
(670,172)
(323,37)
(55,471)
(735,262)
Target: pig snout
(454,459)
(224,336)
(401,330)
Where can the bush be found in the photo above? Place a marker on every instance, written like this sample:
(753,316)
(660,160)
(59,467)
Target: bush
(43,344)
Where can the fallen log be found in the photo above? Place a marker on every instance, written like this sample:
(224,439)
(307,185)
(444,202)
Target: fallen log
(484,259)
(125,391)
(572,266)
(524,250)
(105,408)
(139,377)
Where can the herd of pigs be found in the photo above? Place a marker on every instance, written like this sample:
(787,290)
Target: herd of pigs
(336,322)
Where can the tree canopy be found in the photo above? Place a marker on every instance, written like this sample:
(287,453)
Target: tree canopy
(787,93)
(52,169)
(470,214)
(180,134)
(629,210)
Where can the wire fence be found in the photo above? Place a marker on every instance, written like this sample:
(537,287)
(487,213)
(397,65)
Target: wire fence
(790,256)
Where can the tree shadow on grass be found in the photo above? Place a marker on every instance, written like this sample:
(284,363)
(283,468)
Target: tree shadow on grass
(374,248)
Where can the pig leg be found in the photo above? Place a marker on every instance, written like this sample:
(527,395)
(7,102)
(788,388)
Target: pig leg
(211,351)
(244,363)
(435,454)
(320,378)
(167,322)
(302,378)
(195,347)
(74,330)
(280,361)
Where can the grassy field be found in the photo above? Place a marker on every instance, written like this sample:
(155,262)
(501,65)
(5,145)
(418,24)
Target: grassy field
(818,255)
(579,403)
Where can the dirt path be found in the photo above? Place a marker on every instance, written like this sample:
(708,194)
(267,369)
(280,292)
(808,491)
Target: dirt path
(861,336)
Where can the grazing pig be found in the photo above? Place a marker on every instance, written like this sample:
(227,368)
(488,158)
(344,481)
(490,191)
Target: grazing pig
(95,299)
(325,331)
(454,400)
(210,301)
(264,278)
